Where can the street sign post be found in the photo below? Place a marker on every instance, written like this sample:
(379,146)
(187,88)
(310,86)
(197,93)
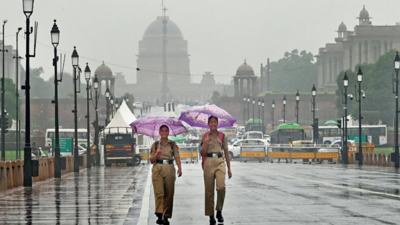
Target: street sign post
(65,146)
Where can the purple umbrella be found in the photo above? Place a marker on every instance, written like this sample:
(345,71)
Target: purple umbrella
(198,116)
(150,126)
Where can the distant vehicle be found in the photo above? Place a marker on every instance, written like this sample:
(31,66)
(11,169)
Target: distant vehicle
(138,105)
(255,125)
(241,130)
(253,135)
(230,132)
(82,150)
(287,132)
(376,134)
(337,145)
(234,149)
(120,148)
(67,133)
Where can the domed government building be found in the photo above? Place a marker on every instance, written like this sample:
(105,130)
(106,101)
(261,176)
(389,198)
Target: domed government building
(165,55)
(363,45)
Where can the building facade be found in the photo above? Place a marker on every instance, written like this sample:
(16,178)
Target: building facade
(363,45)
(9,62)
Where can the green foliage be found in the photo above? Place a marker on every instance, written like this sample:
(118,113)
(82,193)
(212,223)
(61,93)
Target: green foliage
(10,100)
(293,72)
(377,84)
(215,96)
(129,96)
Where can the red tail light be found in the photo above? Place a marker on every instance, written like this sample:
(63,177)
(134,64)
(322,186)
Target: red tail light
(108,153)
(130,153)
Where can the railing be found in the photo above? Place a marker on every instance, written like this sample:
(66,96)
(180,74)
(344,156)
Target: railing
(11,172)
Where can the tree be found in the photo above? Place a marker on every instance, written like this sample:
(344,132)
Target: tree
(293,72)
(129,96)
(377,84)
(10,100)
(215,96)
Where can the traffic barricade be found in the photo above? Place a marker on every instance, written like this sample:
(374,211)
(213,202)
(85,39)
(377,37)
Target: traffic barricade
(14,173)
(367,147)
(3,176)
(188,152)
(277,151)
(9,175)
(144,152)
(252,152)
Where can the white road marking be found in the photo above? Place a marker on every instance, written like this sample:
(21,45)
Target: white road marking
(325,183)
(144,212)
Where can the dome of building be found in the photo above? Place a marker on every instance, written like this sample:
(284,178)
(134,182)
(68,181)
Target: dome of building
(245,70)
(342,27)
(103,71)
(155,29)
(364,14)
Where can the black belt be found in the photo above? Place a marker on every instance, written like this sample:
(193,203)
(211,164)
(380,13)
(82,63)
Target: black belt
(214,155)
(165,161)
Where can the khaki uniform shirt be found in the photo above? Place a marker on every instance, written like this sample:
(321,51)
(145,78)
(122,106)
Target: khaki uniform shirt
(215,145)
(166,151)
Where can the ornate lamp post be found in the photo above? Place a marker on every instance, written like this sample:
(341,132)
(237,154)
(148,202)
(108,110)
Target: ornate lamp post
(87,78)
(284,108)
(116,105)
(272,116)
(108,104)
(244,110)
(254,102)
(28,10)
(297,106)
(395,156)
(55,40)
(259,114)
(96,126)
(360,151)
(112,106)
(315,125)
(345,158)
(262,104)
(248,107)
(75,65)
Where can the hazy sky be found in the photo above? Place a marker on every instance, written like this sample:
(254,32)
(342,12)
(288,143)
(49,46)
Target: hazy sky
(220,33)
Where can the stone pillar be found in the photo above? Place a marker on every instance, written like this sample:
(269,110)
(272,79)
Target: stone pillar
(241,86)
(112,86)
(253,82)
(236,86)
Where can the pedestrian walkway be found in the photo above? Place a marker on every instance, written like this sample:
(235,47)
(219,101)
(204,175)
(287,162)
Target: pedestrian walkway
(94,196)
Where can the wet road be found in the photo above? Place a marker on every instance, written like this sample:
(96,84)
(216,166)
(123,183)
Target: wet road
(258,193)
(265,193)
(95,196)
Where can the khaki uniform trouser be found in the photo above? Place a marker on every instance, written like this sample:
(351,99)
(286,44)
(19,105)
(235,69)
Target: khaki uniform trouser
(163,177)
(214,169)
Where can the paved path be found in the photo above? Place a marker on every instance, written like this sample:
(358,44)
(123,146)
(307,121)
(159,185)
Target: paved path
(258,193)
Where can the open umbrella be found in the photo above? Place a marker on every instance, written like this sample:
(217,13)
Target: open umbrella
(150,126)
(330,122)
(198,116)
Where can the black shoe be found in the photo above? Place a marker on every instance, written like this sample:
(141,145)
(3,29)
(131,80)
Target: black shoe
(159,218)
(166,222)
(212,220)
(219,217)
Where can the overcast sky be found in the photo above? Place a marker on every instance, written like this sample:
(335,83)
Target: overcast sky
(220,33)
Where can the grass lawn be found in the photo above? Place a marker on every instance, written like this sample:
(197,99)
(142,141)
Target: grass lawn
(11,155)
(385,150)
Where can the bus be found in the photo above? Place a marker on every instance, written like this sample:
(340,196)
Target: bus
(68,133)
(287,132)
(376,134)
(230,132)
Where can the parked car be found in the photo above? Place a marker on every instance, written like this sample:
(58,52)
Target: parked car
(138,105)
(234,149)
(253,135)
(81,150)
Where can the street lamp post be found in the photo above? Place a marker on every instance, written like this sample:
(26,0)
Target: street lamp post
(17,58)
(284,108)
(108,104)
(112,106)
(96,126)
(244,110)
(360,151)
(315,125)
(297,106)
(262,104)
(345,158)
(88,153)
(254,102)
(75,64)
(272,116)
(116,105)
(3,127)
(248,107)
(396,125)
(28,10)
(259,114)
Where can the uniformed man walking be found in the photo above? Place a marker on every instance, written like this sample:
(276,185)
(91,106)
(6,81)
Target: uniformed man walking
(163,153)
(214,169)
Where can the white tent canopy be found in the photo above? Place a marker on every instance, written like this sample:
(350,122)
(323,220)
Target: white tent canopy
(126,113)
(122,120)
